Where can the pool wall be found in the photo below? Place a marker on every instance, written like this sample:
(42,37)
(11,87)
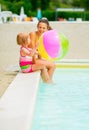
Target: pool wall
(77,33)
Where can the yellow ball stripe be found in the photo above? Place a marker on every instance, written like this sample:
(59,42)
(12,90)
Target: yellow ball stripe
(41,49)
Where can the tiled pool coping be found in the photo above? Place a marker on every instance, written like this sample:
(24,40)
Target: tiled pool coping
(69,63)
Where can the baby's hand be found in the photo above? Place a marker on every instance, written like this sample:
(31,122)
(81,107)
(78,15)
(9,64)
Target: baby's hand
(33,52)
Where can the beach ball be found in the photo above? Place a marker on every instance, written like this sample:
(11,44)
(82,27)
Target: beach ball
(64,45)
(49,45)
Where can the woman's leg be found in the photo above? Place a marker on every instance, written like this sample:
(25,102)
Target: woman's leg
(49,65)
(44,74)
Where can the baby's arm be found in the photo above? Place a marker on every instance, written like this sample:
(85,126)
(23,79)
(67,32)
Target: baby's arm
(27,51)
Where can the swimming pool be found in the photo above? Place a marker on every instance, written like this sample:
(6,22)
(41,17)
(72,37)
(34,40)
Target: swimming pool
(64,105)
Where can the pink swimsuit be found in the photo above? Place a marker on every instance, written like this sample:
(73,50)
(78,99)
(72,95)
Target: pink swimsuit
(25,62)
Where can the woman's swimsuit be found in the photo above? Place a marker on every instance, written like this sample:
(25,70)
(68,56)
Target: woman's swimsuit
(25,62)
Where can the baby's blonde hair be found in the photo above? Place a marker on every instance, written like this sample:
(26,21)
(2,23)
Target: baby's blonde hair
(22,38)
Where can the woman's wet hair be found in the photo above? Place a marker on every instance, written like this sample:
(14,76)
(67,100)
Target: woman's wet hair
(45,20)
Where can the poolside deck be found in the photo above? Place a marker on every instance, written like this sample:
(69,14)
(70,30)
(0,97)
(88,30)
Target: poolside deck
(18,102)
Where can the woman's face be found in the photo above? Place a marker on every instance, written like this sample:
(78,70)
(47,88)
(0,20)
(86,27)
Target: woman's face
(42,27)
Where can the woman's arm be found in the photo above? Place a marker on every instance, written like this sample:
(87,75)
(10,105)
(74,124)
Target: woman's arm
(33,39)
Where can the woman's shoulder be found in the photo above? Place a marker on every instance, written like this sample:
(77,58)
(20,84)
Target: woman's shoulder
(33,33)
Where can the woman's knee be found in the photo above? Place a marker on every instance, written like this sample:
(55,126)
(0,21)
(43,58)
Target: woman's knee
(42,65)
(53,66)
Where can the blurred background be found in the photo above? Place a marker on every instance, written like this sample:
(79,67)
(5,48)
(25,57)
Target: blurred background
(53,10)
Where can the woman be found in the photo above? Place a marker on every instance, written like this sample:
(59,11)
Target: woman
(42,26)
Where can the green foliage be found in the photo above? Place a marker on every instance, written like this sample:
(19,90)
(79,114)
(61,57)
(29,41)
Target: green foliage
(86,15)
(50,15)
(81,3)
(54,4)
(86,4)
(43,4)
(47,7)
(16,6)
(68,15)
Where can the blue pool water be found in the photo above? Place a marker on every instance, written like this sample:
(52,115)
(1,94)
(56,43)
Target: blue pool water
(64,105)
